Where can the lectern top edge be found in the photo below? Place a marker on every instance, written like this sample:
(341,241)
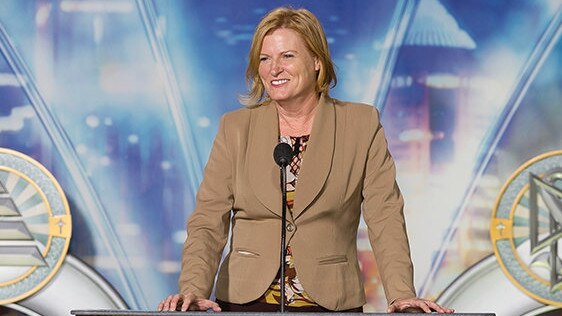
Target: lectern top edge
(155,313)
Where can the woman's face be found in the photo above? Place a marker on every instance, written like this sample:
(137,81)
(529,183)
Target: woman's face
(287,68)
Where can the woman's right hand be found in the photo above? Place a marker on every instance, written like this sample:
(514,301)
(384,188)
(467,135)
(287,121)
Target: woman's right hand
(184,302)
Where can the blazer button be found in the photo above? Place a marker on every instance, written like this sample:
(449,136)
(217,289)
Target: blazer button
(290,227)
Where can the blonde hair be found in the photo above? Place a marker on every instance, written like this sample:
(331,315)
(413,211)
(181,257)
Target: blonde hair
(307,25)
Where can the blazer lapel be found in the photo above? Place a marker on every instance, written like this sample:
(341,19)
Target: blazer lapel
(264,172)
(317,160)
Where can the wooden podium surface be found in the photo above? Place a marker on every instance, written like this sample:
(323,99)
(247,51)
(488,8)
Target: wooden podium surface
(155,313)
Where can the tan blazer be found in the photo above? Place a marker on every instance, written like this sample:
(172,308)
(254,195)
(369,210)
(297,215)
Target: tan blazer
(346,167)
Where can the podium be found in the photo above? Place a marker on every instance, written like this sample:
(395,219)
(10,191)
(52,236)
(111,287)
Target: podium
(155,313)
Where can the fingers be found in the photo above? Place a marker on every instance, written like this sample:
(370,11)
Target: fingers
(416,305)
(438,308)
(204,304)
(171,302)
(424,306)
(441,309)
(189,301)
(164,303)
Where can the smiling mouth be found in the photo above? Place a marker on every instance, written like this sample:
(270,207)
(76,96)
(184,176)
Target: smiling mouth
(279,82)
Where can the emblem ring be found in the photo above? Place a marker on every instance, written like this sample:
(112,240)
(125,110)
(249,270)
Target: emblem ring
(35,226)
(510,229)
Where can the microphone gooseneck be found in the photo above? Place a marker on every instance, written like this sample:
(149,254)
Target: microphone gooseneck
(282,154)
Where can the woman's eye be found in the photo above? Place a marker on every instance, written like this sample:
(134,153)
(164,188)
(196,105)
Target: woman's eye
(288,55)
(263,59)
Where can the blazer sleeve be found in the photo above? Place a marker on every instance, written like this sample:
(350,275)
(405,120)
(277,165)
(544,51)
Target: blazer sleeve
(207,228)
(383,212)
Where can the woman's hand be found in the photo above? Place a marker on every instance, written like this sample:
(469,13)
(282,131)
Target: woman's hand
(184,302)
(413,305)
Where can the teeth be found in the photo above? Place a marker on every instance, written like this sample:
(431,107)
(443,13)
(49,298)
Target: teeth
(281,81)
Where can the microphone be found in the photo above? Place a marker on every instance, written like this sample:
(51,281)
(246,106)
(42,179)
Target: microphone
(282,154)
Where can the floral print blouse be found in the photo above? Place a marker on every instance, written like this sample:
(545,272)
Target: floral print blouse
(295,294)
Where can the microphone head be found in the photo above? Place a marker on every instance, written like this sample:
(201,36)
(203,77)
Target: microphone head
(282,154)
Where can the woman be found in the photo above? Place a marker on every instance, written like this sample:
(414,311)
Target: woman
(341,165)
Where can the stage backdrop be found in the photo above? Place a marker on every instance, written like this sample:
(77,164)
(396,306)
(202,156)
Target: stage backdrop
(120,101)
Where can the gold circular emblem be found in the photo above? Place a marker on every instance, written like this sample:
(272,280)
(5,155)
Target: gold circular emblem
(35,226)
(527,225)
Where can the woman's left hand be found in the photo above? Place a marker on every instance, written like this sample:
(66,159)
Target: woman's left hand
(417,305)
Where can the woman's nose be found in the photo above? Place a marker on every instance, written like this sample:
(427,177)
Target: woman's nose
(276,68)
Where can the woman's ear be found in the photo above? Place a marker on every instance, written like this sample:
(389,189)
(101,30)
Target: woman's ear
(317,64)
